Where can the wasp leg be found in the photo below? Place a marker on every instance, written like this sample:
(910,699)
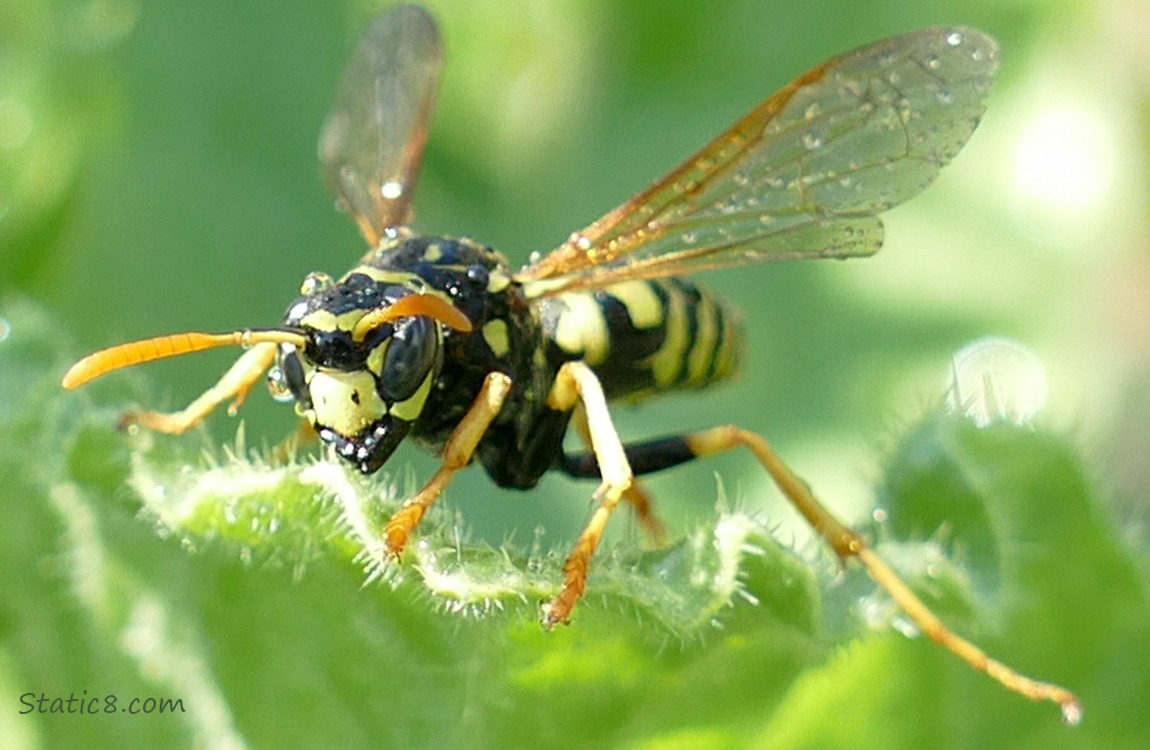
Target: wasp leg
(576,383)
(457,453)
(235,384)
(636,495)
(666,452)
(641,504)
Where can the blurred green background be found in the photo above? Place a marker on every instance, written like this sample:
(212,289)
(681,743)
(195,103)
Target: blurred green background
(158,174)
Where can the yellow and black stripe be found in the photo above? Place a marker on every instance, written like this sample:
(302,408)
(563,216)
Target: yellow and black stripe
(648,336)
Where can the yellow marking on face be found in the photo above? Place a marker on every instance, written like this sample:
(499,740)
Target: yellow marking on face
(433,252)
(347,402)
(324,320)
(581,329)
(320,320)
(643,305)
(495,334)
(375,358)
(667,363)
(410,409)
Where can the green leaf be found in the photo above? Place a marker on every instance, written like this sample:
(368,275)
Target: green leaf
(256,593)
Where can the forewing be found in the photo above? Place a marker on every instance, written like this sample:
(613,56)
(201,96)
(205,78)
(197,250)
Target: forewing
(372,141)
(804,174)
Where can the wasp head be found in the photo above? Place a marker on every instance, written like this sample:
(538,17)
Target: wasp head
(373,352)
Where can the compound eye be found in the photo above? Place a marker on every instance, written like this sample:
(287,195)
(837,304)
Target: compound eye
(411,353)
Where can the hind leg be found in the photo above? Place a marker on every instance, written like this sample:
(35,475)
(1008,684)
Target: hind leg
(653,455)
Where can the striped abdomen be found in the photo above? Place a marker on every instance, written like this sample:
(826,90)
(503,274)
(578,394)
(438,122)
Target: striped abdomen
(642,337)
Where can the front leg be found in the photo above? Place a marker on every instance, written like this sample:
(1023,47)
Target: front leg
(457,453)
(235,385)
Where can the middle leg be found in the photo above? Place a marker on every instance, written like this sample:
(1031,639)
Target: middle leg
(636,495)
(576,383)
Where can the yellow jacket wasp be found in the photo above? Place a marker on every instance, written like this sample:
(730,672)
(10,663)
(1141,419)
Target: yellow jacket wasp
(439,339)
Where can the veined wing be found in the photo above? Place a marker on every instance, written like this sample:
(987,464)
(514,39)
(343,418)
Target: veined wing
(803,175)
(372,142)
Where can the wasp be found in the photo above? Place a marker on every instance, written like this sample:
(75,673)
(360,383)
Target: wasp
(440,340)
